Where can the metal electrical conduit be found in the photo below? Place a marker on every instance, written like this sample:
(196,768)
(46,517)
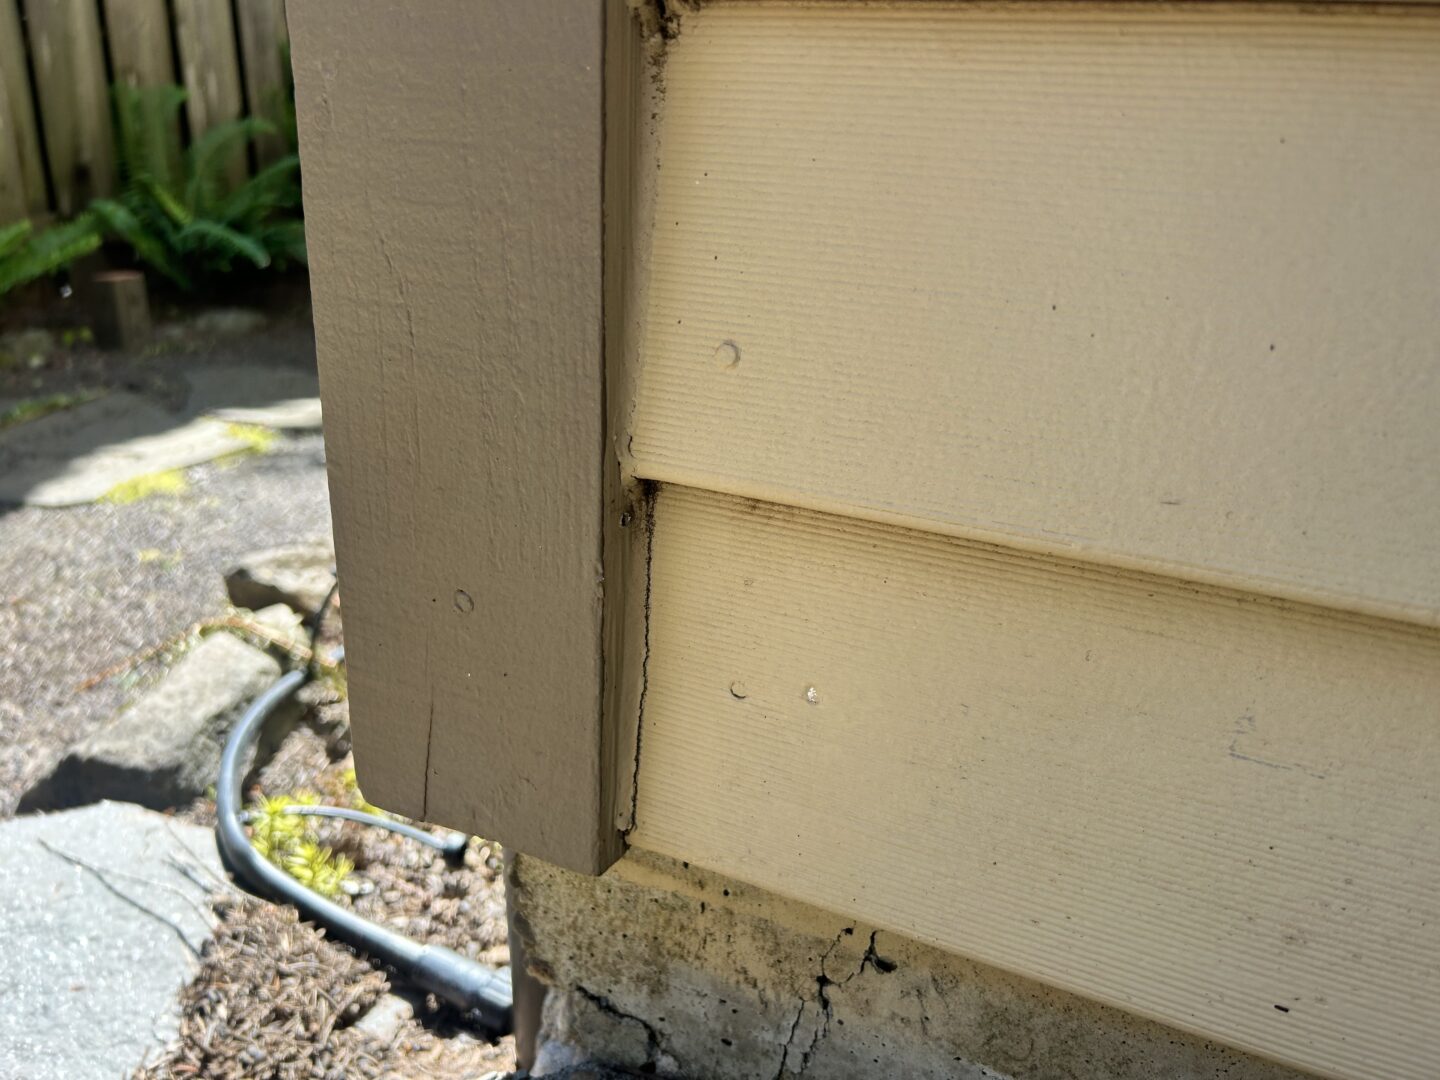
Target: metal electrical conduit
(443,972)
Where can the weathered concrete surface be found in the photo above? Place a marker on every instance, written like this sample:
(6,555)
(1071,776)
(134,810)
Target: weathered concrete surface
(165,749)
(277,397)
(102,913)
(77,455)
(668,969)
(224,322)
(299,575)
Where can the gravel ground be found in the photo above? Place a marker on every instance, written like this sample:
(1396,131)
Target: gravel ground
(84,588)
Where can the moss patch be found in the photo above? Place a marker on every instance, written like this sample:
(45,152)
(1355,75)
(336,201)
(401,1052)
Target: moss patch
(36,407)
(257,439)
(170,482)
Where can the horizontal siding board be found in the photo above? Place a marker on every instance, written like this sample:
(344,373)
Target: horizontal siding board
(1194,804)
(1153,287)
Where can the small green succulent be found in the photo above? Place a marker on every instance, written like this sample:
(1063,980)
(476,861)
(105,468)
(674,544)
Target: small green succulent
(288,840)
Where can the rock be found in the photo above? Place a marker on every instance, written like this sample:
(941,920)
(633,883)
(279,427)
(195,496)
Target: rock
(288,626)
(227,322)
(385,1018)
(165,749)
(299,575)
(77,455)
(21,347)
(582,1071)
(289,413)
(104,910)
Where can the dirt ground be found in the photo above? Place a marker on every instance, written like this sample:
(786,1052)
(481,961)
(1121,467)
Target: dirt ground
(83,589)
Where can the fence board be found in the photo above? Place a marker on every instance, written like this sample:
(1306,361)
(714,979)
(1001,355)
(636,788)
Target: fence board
(262,39)
(22,176)
(210,69)
(139,32)
(70,77)
(140,53)
(12,185)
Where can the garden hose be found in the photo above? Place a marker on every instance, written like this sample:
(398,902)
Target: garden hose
(469,986)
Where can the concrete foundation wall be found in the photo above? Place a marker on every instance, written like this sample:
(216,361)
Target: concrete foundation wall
(664,969)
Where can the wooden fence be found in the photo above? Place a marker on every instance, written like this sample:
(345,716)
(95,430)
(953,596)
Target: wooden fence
(59,57)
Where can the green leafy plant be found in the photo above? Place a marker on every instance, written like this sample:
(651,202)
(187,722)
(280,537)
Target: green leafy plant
(25,255)
(184,219)
(288,841)
(36,407)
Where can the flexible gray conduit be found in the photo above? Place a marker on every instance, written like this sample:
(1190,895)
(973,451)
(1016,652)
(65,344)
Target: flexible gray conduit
(452,846)
(443,972)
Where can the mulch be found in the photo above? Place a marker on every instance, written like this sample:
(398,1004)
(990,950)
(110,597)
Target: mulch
(274,999)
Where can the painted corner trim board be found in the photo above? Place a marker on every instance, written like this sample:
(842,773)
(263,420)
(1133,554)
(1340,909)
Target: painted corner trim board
(452,161)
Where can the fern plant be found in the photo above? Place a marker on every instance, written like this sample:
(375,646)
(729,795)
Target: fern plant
(181,218)
(24,256)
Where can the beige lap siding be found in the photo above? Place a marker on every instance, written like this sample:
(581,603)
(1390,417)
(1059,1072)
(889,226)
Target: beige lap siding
(1156,287)
(1207,807)
(1080,294)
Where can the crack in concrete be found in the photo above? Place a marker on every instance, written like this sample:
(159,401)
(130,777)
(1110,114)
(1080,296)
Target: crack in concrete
(653,1042)
(825,1008)
(789,1038)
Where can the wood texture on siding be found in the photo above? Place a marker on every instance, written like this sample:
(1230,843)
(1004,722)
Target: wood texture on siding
(452,159)
(1151,286)
(1203,806)
(70,81)
(630,105)
(22,176)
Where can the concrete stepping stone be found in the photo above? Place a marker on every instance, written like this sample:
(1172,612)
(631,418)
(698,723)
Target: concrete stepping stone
(276,397)
(103,913)
(165,749)
(78,455)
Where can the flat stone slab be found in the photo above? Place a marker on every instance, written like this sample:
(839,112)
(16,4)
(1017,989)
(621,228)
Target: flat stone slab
(165,749)
(297,575)
(291,414)
(77,455)
(277,397)
(102,914)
